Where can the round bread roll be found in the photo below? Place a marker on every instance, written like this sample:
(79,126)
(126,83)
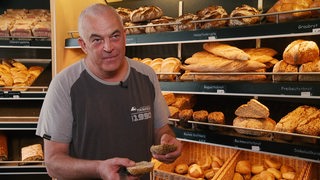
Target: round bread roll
(213,12)
(266,175)
(244,10)
(276,173)
(237,176)
(163,148)
(216,117)
(301,51)
(289,175)
(200,116)
(140,168)
(286,168)
(195,171)
(209,174)
(181,168)
(145,13)
(257,168)
(243,167)
(272,163)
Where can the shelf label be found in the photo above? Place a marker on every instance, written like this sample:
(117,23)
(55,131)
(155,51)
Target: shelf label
(255,148)
(214,88)
(220,91)
(305,94)
(316,30)
(195,136)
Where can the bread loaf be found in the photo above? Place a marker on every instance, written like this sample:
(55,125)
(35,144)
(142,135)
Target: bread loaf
(215,13)
(124,13)
(309,67)
(225,50)
(184,22)
(169,97)
(32,153)
(301,51)
(260,51)
(174,112)
(284,67)
(244,10)
(145,13)
(170,65)
(160,25)
(252,109)
(253,123)
(140,168)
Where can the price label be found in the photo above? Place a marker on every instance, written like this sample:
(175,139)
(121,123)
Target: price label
(255,148)
(305,94)
(317,30)
(220,91)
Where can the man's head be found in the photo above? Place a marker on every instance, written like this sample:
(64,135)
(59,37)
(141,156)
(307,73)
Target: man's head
(102,38)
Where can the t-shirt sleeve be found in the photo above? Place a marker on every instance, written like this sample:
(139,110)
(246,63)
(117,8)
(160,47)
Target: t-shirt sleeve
(55,120)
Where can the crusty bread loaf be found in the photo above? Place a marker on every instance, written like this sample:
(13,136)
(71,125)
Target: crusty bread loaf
(260,51)
(244,10)
(131,28)
(140,168)
(309,67)
(252,109)
(225,50)
(156,64)
(253,123)
(146,13)
(213,12)
(170,65)
(32,152)
(159,25)
(310,125)
(184,22)
(169,97)
(290,122)
(174,112)
(282,66)
(124,13)
(301,51)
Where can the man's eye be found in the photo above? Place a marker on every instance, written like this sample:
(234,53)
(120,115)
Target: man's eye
(116,36)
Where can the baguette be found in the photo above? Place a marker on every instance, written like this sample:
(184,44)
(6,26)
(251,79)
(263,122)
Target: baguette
(225,50)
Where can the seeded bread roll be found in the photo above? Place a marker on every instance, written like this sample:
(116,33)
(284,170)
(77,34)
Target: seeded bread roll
(163,148)
(140,168)
(216,117)
(146,13)
(201,116)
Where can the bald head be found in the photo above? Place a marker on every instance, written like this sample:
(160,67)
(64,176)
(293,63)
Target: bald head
(97,11)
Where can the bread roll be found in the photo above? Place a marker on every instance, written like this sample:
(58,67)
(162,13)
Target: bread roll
(170,65)
(257,168)
(201,116)
(243,167)
(225,50)
(237,176)
(283,67)
(181,168)
(145,13)
(272,163)
(140,168)
(266,175)
(195,171)
(216,117)
(252,109)
(276,173)
(185,115)
(244,10)
(174,112)
(301,51)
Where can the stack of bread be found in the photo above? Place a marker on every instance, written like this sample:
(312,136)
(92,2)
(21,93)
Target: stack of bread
(303,120)
(223,58)
(166,68)
(25,23)
(178,102)
(300,6)
(253,115)
(270,168)
(16,75)
(299,56)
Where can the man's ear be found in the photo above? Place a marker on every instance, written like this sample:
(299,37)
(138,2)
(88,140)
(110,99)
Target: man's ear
(82,45)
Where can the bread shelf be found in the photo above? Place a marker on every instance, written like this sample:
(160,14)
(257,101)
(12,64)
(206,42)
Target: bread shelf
(246,88)
(308,27)
(225,136)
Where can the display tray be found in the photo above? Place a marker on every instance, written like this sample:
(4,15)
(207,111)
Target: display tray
(299,166)
(38,87)
(288,144)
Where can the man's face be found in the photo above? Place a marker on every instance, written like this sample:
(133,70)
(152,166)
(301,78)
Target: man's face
(104,42)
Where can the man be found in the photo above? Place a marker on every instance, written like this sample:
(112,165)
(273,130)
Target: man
(105,111)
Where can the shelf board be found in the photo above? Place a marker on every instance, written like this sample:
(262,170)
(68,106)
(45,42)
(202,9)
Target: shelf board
(246,88)
(25,43)
(305,151)
(306,27)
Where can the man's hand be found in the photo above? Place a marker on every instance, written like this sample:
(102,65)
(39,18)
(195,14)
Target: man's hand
(172,156)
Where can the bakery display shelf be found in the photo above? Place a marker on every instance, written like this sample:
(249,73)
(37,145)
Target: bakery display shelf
(18,123)
(245,88)
(288,144)
(13,168)
(305,27)
(38,43)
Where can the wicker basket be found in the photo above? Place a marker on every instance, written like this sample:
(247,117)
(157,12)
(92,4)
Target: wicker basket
(300,166)
(191,153)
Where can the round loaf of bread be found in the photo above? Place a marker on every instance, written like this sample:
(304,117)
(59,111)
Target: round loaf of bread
(185,22)
(243,167)
(160,25)
(140,168)
(244,10)
(146,13)
(215,13)
(301,51)
(282,66)
(181,168)
(163,148)
(124,13)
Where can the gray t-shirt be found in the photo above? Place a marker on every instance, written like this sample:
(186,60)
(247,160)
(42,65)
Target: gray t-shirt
(102,120)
